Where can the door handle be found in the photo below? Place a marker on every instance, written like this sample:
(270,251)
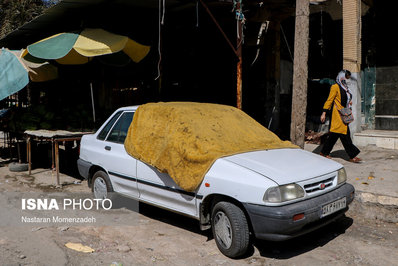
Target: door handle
(108,148)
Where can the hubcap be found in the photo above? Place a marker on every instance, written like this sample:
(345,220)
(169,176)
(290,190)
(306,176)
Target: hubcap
(223,230)
(100,191)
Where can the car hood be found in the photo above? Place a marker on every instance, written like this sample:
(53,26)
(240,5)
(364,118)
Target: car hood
(285,166)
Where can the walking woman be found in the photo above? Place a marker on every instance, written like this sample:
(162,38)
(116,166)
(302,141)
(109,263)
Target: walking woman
(340,97)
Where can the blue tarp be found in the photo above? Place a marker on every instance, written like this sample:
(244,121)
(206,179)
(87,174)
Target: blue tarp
(13,75)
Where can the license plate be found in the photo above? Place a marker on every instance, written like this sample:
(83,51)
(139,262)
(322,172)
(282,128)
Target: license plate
(333,207)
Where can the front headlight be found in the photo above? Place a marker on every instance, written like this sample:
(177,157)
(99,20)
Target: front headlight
(341,176)
(283,193)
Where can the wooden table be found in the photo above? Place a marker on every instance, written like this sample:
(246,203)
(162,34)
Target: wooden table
(55,137)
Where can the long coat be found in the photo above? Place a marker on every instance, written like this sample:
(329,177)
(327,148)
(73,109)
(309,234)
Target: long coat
(337,100)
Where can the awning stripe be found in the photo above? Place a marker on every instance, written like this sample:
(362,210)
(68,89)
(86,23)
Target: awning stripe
(13,75)
(54,47)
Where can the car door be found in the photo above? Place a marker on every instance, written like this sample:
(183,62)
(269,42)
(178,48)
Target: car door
(121,167)
(161,190)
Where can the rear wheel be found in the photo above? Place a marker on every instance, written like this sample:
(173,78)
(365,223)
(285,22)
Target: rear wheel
(230,229)
(101,186)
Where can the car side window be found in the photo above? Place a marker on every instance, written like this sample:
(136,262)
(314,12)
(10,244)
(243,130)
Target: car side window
(119,131)
(104,132)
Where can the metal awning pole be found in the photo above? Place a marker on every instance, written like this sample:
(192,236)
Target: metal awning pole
(92,100)
(219,27)
(239,42)
(237,51)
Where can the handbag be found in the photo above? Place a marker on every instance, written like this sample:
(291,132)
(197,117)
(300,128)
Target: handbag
(346,115)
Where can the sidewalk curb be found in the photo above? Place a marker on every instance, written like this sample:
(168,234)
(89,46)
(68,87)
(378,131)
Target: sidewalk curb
(374,206)
(366,197)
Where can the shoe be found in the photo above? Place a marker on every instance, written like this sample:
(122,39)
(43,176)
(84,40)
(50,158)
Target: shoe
(356,160)
(326,156)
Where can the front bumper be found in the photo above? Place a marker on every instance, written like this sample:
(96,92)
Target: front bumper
(276,223)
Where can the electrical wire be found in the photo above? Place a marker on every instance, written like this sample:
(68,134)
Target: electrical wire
(162,11)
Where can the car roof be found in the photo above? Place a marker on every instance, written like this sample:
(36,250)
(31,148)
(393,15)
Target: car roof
(128,108)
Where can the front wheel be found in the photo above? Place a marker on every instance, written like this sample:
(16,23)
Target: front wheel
(230,229)
(101,186)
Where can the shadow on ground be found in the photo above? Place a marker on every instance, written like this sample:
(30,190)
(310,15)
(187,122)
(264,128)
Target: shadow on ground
(303,244)
(278,250)
(335,154)
(159,214)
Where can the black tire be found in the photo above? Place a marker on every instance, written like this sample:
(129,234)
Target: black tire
(101,186)
(18,167)
(230,229)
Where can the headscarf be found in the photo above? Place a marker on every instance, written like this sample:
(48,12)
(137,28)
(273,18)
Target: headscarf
(342,81)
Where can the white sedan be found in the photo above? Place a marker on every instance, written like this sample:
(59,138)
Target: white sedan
(269,194)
